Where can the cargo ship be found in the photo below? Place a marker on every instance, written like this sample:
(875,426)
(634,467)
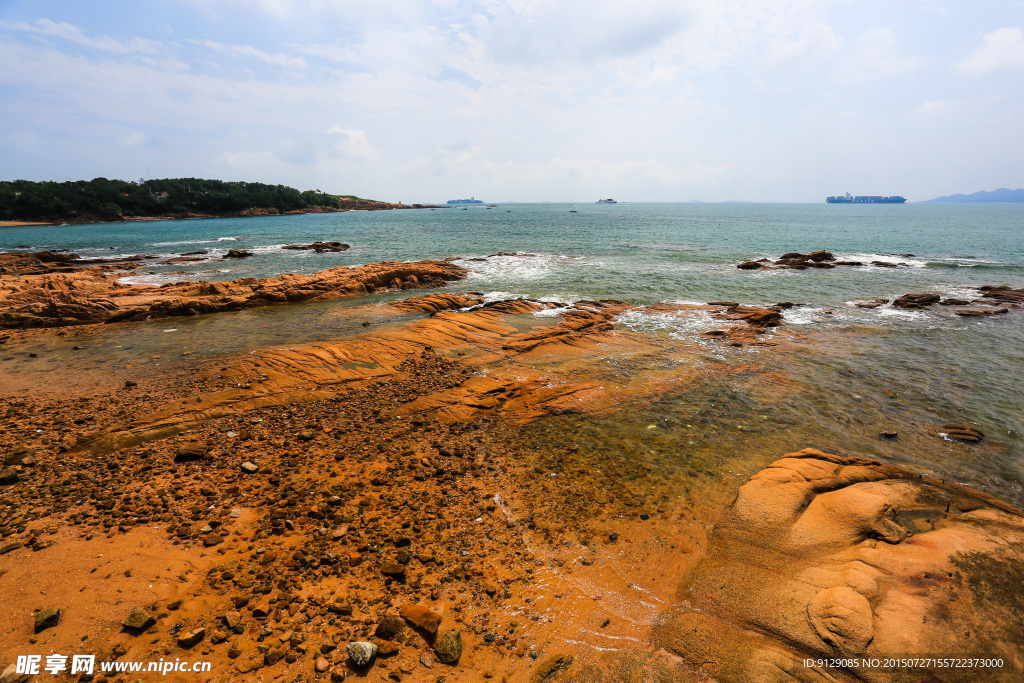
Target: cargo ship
(471,200)
(606,201)
(861,199)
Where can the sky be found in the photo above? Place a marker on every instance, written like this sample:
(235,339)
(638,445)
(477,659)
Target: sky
(521,100)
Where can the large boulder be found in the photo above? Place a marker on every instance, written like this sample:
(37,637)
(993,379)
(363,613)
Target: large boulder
(826,556)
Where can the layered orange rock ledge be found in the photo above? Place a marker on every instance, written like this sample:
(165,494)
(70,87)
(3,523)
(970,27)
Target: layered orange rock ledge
(94,295)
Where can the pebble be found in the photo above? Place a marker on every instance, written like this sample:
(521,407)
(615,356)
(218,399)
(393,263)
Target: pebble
(421,617)
(362,653)
(138,619)
(191,638)
(389,627)
(449,648)
(48,618)
(250,468)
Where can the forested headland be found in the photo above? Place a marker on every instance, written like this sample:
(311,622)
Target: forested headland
(101,199)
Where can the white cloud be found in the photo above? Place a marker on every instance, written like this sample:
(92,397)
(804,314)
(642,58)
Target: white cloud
(999,49)
(580,30)
(877,54)
(248,51)
(352,143)
(74,34)
(814,42)
(133,139)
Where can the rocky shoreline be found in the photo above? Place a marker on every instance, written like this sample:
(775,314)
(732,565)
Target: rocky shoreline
(373,506)
(54,290)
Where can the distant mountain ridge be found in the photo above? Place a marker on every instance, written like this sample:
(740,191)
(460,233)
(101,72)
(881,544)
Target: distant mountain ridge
(1001,196)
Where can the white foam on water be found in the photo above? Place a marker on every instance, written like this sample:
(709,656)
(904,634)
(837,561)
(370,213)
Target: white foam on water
(552,312)
(520,268)
(678,325)
(809,315)
(213,241)
(152,279)
(890,311)
(895,259)
(500,296)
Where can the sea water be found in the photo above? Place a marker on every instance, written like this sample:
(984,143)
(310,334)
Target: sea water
(863,371)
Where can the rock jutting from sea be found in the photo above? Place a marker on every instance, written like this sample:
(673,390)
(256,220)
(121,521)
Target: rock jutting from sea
(94,295)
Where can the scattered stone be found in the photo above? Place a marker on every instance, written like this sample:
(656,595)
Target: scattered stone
(138,619)
(250,468)
(190,452)
(389,627)
(888,435)
(361,653)
(249,665)
(392,569)
(191,638)
(421,617)
(550,666)
(10,547)
(427,661)
(321,665)
(18,456)
(8,476)
(449,648)
(48,618)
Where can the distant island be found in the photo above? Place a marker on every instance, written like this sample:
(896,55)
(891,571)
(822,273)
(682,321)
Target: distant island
(100,199)
(1001,196)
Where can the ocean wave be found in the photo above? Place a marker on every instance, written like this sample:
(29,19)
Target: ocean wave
(213,241)
(685,324)
(518,267)
(967,262)
(912,261)
(816,315)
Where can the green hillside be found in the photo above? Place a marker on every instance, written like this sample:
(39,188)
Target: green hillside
(103,199)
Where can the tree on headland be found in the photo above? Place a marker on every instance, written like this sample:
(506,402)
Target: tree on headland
(103,199)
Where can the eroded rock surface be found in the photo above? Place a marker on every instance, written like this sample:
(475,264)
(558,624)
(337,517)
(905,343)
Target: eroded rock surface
(829,556)
(95,296)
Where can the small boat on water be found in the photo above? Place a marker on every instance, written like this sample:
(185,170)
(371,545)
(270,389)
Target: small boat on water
(606,201)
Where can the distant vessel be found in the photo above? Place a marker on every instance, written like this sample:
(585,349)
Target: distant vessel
(606,201)
(471,200)
(860,199)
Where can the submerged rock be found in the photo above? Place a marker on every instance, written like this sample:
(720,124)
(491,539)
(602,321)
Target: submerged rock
(319,247)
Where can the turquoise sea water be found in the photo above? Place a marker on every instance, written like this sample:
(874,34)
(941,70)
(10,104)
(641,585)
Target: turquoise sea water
(872,368)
